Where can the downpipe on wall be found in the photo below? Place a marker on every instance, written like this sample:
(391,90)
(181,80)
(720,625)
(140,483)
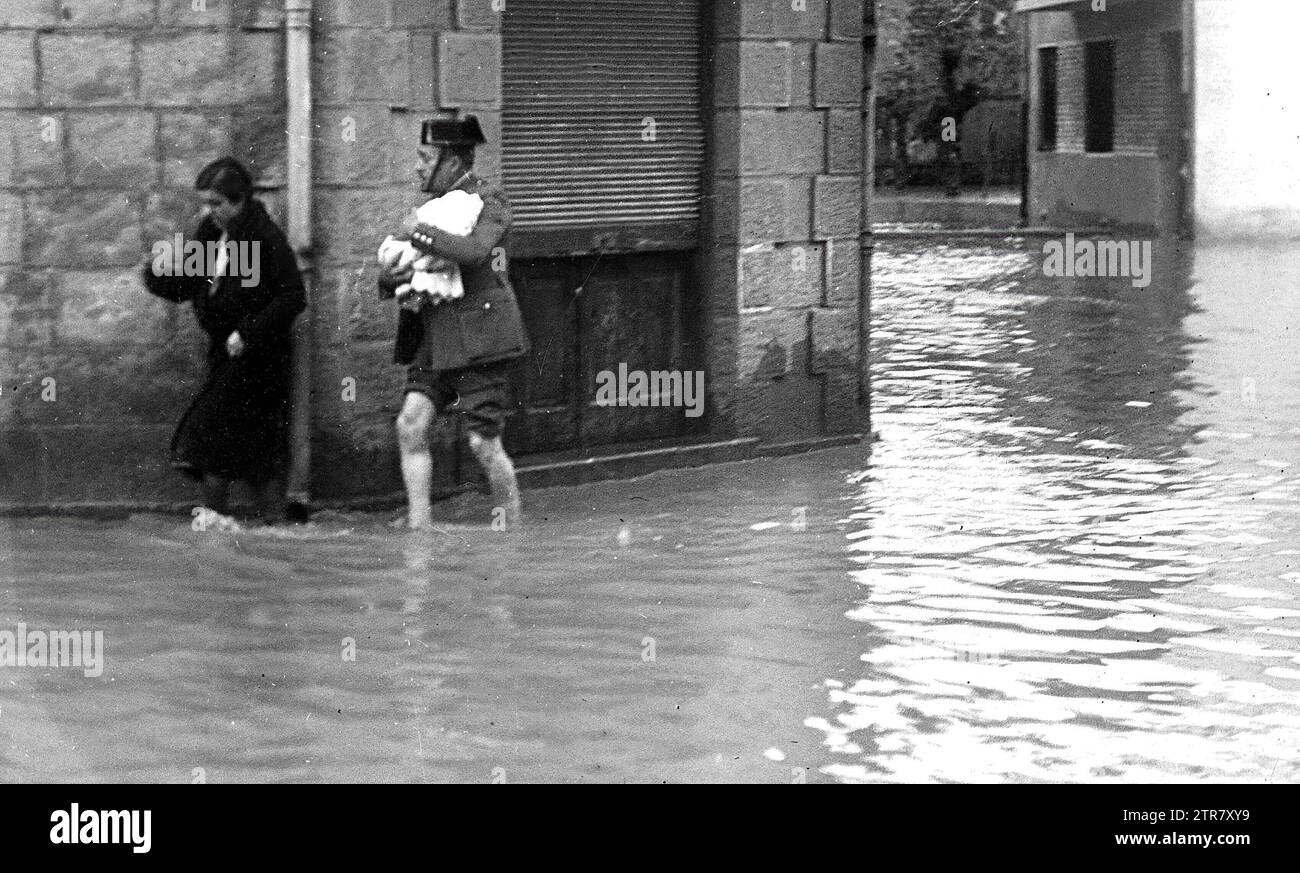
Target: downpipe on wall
(298,36)
(866,240)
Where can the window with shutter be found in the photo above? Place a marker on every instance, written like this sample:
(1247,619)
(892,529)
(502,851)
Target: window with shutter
(603,141)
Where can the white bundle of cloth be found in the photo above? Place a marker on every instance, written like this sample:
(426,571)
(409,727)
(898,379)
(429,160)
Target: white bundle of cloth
(435,279)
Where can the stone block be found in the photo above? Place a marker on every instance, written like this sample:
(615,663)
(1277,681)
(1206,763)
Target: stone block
(772,344)
(351,222)
(799,19)
(780,410)
(844,142)
(354,64)
(843,272)
(753,74)
(29,13)
(354,145)
(846,19)
(420,79)
(111,464)
(838,75)
(18,60)
(82,229)
(741,18)
(841,411)
(257,138)
(837,206)
(375,398)
(22,465)
(775,141)
(359,315)
(112,149)
(27,316)
(761,210)
(189,141)
(11,228)
(721,345)
(264,15)
(801,75)
(181,13)
(259,64)
(469,69)
(169,211)
(478,14)
(834,335)
(38,144)
(433,14)
(786,276)
(107,13)
(107,307)
(720,281)
(10,122)
(85,69)
(40,375)
(358,13)
(188,69)
(724,140)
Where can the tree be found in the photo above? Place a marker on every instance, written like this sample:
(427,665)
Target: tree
(938,58)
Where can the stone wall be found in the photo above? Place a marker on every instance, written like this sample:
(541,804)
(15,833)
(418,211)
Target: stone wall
(108,109)
(380,67)
(782,244)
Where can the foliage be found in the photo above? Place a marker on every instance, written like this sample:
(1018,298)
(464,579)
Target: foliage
(940,57)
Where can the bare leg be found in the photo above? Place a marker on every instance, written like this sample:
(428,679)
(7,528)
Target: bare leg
(500,471)
(417,462)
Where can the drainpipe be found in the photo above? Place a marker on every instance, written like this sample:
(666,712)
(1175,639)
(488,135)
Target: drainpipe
(1026,102)
(866,239)
(297,24)
(1189,220)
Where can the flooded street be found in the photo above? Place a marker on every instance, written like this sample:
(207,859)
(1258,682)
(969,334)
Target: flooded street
(1072,556)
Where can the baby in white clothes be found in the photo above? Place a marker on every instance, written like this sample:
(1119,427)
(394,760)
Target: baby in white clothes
(435,279)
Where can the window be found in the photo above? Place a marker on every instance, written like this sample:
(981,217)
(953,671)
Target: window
(1047,99)
(1099,86)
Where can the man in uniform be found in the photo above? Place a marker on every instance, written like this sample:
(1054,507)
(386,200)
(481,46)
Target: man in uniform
(458,351)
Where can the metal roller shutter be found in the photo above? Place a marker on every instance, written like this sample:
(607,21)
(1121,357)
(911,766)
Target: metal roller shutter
(580,80)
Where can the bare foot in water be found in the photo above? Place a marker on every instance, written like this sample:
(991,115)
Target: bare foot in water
(209,519)
(404,522)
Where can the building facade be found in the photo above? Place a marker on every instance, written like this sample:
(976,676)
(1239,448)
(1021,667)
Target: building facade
(687,179)
(1175,115)
(1107,113)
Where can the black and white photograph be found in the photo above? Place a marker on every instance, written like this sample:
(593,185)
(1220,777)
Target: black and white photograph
(776,392)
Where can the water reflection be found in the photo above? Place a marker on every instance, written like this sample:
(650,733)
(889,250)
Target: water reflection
(1072,556)
(1047,532)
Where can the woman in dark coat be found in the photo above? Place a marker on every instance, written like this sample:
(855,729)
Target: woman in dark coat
(237,425)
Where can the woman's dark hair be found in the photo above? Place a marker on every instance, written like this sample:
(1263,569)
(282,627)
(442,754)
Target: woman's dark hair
(227,177)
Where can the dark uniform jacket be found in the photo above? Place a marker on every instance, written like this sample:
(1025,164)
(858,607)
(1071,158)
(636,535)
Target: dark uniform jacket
(484,326)
(236,426)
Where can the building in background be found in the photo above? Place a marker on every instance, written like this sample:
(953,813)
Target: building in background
(688,185)
(1169,114)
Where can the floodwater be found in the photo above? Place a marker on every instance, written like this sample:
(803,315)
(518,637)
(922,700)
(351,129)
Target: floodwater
(1072,556)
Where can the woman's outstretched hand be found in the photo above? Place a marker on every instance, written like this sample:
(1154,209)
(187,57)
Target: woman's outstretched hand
(234,345)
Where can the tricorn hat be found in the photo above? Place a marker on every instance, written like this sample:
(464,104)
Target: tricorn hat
(443,132)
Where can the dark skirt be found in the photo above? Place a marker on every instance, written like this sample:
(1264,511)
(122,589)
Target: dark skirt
(237,426)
